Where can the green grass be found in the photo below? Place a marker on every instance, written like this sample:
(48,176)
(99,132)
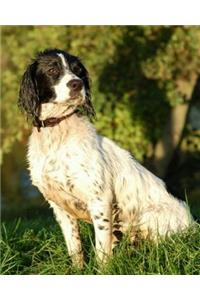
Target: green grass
(37,247)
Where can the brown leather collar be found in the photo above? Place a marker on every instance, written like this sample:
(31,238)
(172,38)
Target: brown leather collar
(50,122)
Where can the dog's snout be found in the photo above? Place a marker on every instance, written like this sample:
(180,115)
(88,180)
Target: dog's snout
(75,85)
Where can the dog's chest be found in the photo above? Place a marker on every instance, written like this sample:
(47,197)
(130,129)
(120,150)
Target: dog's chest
(54,169)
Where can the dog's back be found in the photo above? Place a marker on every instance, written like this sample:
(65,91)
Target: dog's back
(143,201)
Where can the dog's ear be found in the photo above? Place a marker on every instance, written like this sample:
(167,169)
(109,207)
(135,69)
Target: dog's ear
(88,107)
(28,93)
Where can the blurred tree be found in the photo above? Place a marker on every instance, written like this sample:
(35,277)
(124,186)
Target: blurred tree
(142,81)
(19,45)
(153,75)
(176,67)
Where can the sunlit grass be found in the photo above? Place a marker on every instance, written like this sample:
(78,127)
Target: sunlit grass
(37,247)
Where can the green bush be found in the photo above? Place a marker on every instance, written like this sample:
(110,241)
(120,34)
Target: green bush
(137,73)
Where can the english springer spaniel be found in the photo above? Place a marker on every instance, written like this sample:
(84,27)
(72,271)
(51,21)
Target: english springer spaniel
(83,175)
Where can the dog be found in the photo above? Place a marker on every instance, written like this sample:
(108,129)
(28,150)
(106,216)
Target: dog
(83,175)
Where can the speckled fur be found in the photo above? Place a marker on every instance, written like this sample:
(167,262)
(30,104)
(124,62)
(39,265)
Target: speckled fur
(87,177)
(83,175)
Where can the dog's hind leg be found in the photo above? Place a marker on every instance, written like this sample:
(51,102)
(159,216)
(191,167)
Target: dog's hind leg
(70,229)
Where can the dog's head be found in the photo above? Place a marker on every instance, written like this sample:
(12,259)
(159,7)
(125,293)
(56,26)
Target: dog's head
(55,78)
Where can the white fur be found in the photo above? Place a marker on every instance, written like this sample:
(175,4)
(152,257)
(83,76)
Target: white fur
(85,176)
(61,89)
(63,60)
(69,224)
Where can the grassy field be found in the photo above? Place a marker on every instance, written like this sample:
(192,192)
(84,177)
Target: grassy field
(37,247)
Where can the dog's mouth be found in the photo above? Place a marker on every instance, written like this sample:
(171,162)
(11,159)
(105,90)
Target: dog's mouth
(76,97)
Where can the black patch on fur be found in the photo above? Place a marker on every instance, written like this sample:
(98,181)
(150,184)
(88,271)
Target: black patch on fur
(80,206)
(99,199)
(117,226)
(40,77)
(118,234)
(101,227)
(105,220)
(29,95)
(71,187)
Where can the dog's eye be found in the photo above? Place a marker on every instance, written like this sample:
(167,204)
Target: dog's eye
(76,69)
(53,71)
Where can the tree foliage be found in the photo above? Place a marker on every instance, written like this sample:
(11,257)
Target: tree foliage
(138,73)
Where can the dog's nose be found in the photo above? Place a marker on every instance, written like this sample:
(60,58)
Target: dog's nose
(75,85)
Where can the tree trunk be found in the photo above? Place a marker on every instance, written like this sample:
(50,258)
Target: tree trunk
(172,133)
(165,147)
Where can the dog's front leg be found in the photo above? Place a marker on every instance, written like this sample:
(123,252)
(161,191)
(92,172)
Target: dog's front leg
(101,215)
(69,226)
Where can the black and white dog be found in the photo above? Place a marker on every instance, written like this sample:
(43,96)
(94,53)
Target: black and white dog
(83,175)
